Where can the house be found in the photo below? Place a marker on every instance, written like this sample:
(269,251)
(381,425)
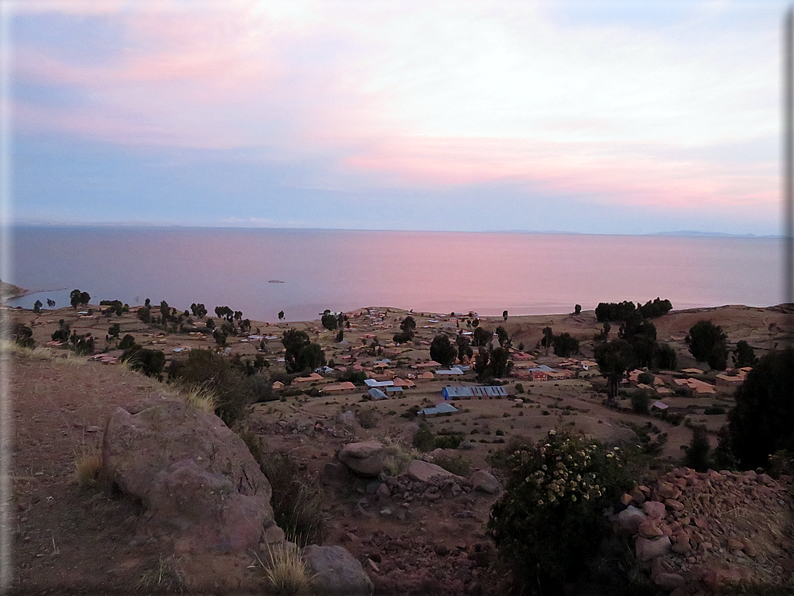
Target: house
(452,371)
(376,393)
(659,405)
(699,387)
(374,383)
(344,387)
(442,408)
(426,376)
(539,375)
(404,383)
(394,390)
(726,381)
(277,385)
(459,392)
(312,378)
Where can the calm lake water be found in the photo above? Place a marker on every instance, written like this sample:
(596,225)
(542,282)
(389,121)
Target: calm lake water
(425,271)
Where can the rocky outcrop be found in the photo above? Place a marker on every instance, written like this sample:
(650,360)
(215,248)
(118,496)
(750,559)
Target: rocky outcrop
(334,571)
(366,458)
(199,484)
(706,530)
(423,471)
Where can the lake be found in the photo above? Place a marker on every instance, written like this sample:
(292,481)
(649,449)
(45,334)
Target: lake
(426,271)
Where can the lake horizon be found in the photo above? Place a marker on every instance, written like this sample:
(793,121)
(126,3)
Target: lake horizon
(343,270)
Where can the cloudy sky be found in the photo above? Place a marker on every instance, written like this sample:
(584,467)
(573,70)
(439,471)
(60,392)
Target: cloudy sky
(578,116)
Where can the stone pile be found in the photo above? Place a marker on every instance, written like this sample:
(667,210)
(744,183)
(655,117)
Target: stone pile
(698,531)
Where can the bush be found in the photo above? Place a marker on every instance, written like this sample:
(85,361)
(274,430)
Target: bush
(762,421)
(297,498)
(423,439)
(645,378)
(450,441)
(565,345)
(697,454)
(456,464)
(557,487)
(23,335)
(367,418)
(149,362)
(640,402)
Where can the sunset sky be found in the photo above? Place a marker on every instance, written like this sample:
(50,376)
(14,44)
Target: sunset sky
(579,116)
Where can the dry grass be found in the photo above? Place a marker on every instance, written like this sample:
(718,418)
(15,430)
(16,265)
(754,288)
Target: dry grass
(397,456)
(164,575)
(11,347)
(286,571)
(88,466)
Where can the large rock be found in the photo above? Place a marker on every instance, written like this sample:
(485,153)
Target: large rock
(197,480)
(650,549)
(485,482)
(631,518)
(335,572)
(366,458)
(422,471)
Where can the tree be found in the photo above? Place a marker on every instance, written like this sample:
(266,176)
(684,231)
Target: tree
(641,334)
(762,421)
(548,335)
(481,337)
(502,335)
(50,303)
(565,345)
(300,352)
(280,315)
(328,320)
(442,350)
(198,310)
(78,298)
(402,337)
(708,343)
(499,362)
(504,315)
(165,312)
(744,355)
(481,364)
(37,306)
(62,333)
(614,358)
(23,335)
(664,357)
(147,303)
(464,347)
(697,454)
(577,309)
(408,325)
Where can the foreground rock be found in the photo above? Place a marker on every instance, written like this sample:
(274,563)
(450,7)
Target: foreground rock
(334,571)
(365,458)
(200,485)
(422,471)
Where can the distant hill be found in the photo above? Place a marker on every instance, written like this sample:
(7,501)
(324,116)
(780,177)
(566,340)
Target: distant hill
(8,290)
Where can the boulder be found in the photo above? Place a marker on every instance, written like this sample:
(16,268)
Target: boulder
(334,571)
(198,481)
(654,509)
(422,471)
(648,549)
(650,529)
(667,490)
(669,581)
(631,518)
(485,482)
(366,458)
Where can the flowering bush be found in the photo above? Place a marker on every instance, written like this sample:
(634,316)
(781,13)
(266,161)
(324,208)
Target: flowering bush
(550,518)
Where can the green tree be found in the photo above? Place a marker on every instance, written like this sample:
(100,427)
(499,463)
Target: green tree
(577,309)
(641,334)
(408,325)
(328,320)
(697,454)
(78,298)
(499,362)
(280,315)
(481,337)
(614,358)
(300,353)
(565,345)
(504,315)
(503,337)
(464,347)
(762,421)
(708,343)
(37,306)
(442,350)
(744,355)
(664,357)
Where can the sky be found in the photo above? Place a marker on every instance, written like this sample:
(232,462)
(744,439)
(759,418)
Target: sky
(617,117)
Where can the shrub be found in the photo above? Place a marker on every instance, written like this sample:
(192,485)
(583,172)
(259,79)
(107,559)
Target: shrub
(456,464)
(697,454)
(761,421)
(448,441)
(640,402)
(297,498)
(423,439)
(23,335)
(87,467)
(367,418)
(286,571)
(519,388)
(149,362)
(646,378)
(556,487)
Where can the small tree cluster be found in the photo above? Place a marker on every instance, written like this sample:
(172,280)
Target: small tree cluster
(300,353)
(708,343)
(78,298)
(442,350)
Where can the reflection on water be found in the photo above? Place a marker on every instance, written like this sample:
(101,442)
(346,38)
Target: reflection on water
(431,271)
